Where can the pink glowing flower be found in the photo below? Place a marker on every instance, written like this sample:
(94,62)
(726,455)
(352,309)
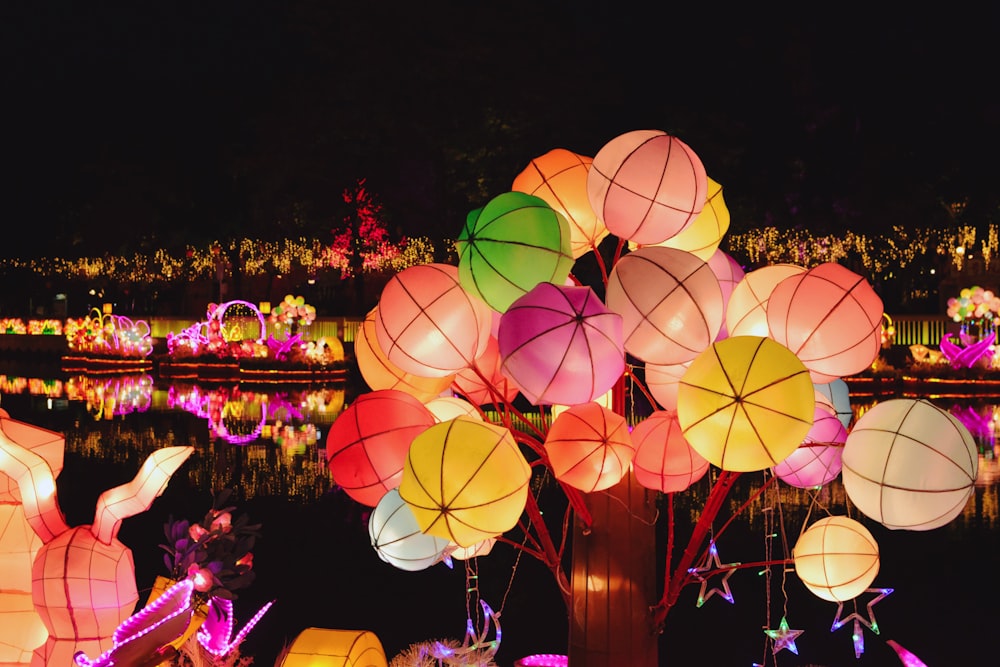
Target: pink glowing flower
(223,521)
(196,532)
(201,577)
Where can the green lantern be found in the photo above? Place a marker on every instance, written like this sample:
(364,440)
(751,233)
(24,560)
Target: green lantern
(510,245)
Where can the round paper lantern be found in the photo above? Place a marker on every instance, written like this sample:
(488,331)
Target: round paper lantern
(466,480)
(560,178)
(729,272)
(510,245)
(589,447)
(647,186)
(367,443)
(817,461)
(664,461)
(830,317)
(702,237)
(448,407)
(561,345)
(397,538)
(746,310)
(322,647)
(910,465)
(475,551)
(839,395)
(662,381)
(670,302)
(470,382)
(745,403)
(427,324)
(836,558)
(380,373)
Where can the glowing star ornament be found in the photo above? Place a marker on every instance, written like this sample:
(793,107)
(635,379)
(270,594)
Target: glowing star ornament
(783,637)
(869,620)
(714,566)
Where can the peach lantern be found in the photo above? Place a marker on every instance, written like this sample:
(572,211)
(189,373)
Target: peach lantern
(510,245)
(818,460)
(561,345)
(448,407)
(662,381)
(670,302)
(427,324)
(397,538)
(484,382)
(466,480)
(589,447)
(836,558)
(746,403)
(729,272)
(321,647)
(830,317)
(702,237)
(560,178)
(746,310)
(909,464)
(366,445)
(647,186)
(664,461)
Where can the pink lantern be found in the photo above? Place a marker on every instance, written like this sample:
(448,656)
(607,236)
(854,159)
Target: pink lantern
(830,317)
(647,186)
(664,461)
(662,381)
(589,447)
(729,272)
(817,461)
(746,310)
(367,443)
(702,237)
(670,302)
(561,345)
(427,324)
(485,383)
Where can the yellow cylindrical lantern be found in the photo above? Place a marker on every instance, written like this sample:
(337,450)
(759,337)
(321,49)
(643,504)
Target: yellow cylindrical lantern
(466,480)
(746,311)
(746,403)
(321,647)
(397,538)
(664,460)
(589,447)
(836,558)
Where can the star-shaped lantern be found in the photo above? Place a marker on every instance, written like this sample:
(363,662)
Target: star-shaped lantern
(858,634)
(714,566)
(783,637)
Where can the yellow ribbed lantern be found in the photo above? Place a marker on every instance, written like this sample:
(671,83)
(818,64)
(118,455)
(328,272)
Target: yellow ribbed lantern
(836,558)
(322,647)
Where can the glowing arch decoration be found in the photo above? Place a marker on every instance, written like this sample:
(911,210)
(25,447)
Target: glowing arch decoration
(836,558)
(322,647)
(590,447)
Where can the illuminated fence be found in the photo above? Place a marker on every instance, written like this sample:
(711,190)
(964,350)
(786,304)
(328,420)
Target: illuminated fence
(920,329)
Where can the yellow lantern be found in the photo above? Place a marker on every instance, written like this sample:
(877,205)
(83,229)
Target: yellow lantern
(746,312)
(321,647)
(836,558)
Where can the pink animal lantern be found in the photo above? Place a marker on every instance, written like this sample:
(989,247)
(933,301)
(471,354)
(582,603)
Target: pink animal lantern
(817,461)
(427,324)
(561,345)
(589,447)
(746,310)
(664,461)
(830,317)
(670,302)
(647,186)
(367,443)
(484,383)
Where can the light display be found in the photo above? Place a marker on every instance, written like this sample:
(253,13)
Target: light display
(589,447)
(836,558)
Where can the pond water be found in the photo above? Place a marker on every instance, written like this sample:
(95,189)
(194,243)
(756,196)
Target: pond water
(316,562)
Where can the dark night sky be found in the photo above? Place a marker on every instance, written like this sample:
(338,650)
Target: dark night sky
(179,122)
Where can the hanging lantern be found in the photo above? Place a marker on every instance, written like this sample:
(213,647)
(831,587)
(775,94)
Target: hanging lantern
(397,538)
(320,647)
(465,480)
(745,403)
(448,407)
(427,324)
(510,245)
(647,186)
(561,345)
(367,443)
(729,273)
(910,465)
(830,317)
(746,310)
(664,461)
(589,447)
(662,381)
(560,178)
(496,387)
(836,558)
(670,302)
(839,395)
(702,237)
(817,461)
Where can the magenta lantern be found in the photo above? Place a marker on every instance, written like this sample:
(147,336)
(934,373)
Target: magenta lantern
(664,461)
(590,447)
(830,317)
(496,387)
(746,310)
(670,302)
(818,460)
(427,324)
(647,186)
(367,443)
(561,345)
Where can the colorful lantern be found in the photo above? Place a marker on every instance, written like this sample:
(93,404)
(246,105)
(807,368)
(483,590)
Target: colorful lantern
(427,324)
(448,407)
(745,403)
(664,461)
(838,394)
(397,538)
(647,186)
(910,465)
(561,345)
(670,302)
(836,558)
(589,447)
(746,310)
(729,272)
(367,443)
(465,480)
(662,381)
(475,551)
(702,237)
(484,383)
(830,317)
(320,647)
(560,178)
(817,461)
(510,245)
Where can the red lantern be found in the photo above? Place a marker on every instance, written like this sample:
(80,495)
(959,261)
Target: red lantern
(589,447)
(664,461)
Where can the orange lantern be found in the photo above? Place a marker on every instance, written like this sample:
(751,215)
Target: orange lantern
(484,383)
(664,461)
(466,480)
(746,310)
(589,447)
(670,302)
(647,186)
(367,443)
(397,538)
(836,558)
(320,647)
(818,460)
